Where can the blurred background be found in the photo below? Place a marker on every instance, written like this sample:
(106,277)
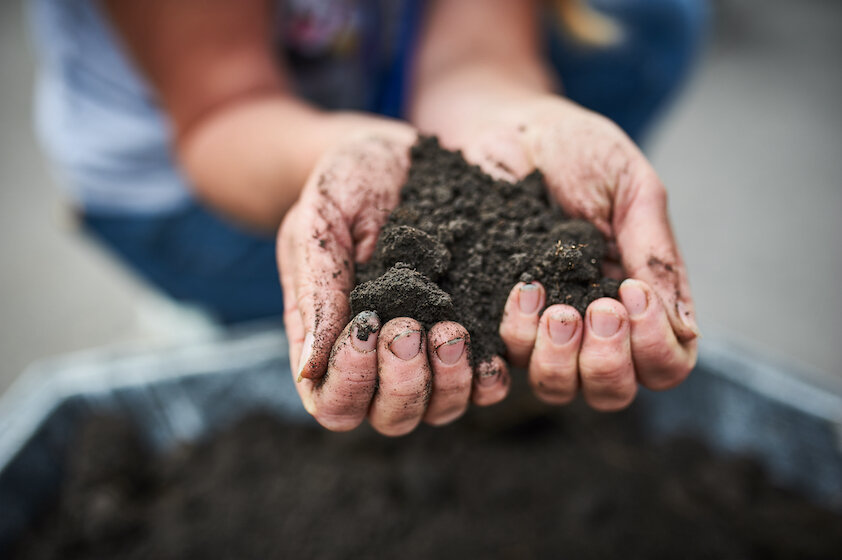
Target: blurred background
(751,154)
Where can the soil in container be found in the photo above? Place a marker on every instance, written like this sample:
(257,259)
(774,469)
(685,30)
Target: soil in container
(519,480)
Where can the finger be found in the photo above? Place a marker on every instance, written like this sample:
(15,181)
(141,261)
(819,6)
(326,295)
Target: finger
(292,317)
(340,212)
(660,360)
(322,278)
(491,382)
(605,362)
(648,248)
(520,321)
(340,400)
(448,356)
(554,365)
(404,378)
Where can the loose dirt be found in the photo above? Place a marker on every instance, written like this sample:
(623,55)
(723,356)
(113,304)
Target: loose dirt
(516,481)
(460,240)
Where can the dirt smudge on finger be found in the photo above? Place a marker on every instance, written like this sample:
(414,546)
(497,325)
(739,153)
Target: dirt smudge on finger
(655,263)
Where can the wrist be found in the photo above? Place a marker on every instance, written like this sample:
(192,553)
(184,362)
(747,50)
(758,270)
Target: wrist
(473,93)
(463,71)
(251,158)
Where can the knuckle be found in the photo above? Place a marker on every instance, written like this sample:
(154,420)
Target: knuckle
(447,415)
(395,427)
(455,388)
(519,339)
(662,366)
(605,368)
(611,403)
(557,399)
(652,189)
(405,389)
(488,396)
(553,394)
(666,379)
(552,377)
(658,190)
(337,422)
(341,407)
(657,354)
(615,383)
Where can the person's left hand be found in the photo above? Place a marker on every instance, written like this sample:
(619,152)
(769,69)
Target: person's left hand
(595,172)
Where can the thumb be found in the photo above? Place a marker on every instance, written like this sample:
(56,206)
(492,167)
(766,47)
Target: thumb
(335,223)
(317,276)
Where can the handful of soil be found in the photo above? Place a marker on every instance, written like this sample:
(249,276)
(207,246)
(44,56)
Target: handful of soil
(460,240)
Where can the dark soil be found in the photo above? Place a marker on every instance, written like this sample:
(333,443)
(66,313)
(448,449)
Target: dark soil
(518,481)
(473,238)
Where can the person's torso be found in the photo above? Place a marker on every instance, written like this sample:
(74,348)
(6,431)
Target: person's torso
(110,142)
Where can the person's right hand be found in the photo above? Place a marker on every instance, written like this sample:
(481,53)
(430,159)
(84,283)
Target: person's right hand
(399,374)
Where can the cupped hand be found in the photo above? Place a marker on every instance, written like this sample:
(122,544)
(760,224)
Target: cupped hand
(349,369)
(595,172)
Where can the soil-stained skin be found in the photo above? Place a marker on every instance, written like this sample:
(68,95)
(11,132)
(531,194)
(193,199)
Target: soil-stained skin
(472,238)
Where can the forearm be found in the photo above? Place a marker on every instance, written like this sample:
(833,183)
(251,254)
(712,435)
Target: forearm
(250,160)
(463,69)
(244,141)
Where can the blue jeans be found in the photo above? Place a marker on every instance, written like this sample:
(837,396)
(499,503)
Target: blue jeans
(197,257)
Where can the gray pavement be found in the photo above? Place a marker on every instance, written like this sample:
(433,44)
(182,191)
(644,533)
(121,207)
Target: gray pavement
(752,155)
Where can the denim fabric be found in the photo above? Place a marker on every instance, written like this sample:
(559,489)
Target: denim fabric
(197,257)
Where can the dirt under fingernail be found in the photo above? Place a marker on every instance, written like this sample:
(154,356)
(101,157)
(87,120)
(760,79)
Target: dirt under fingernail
(460,240)
(363,334)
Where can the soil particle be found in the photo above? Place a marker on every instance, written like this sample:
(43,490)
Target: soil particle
(519,480)
(366,323)
(474,237)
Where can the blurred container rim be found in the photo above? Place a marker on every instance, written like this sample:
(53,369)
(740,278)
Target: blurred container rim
(736,400)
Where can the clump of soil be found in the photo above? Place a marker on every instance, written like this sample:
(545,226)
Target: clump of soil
(518,481)
(472,238)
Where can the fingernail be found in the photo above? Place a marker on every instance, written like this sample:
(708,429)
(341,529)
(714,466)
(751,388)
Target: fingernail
(687,317)
(487,374)
(364,331)
(604,322)
(562,326)
(634,297)
(306,353)
(406,345)
(451,351)
(528,298)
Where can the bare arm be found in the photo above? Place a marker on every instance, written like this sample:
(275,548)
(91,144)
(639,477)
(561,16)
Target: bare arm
(246,143)
(468,47)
